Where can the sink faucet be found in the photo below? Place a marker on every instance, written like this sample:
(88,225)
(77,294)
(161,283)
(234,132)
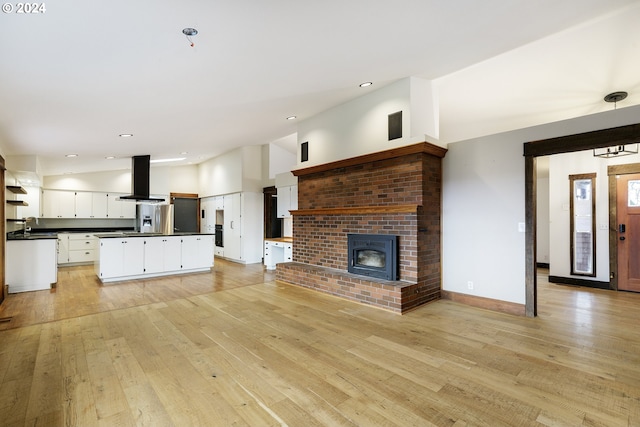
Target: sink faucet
(27,229)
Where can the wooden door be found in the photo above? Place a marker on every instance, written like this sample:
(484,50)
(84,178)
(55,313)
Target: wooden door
(628,218)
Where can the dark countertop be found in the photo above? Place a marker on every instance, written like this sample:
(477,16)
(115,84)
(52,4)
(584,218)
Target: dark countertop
(31,236)
(138,234)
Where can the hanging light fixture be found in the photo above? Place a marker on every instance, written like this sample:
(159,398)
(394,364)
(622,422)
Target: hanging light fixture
(190,32)
(618,150)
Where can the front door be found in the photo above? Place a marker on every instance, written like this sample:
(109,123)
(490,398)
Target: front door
(628,218)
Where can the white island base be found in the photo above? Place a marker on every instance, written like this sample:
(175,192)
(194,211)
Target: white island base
(138,256)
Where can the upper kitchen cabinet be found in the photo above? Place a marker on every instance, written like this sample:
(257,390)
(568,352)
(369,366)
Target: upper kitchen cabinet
(91,205)
(287,200)
(120,208)
(58,204)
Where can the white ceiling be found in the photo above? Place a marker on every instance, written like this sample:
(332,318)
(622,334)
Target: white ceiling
(76,76)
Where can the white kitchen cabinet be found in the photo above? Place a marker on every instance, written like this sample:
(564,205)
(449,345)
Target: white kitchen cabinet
(91,205)
(58,204)
(162,254)
(287,200)
(130,258)
(277,251)
(197,252)
(232,228)
(219,202)
(82,248)
(120,208)
(31,264)
(207,215)
(120,258)
(63,248)
(243,228)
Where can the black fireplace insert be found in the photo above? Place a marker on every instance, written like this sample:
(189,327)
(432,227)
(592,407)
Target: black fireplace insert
(373,255)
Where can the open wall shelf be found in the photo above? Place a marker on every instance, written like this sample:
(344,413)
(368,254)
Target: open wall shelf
(16,189)
(17,203)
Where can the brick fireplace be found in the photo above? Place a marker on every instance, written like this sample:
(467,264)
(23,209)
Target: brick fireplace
(395,192)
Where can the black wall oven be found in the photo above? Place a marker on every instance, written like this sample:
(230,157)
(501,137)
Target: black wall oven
(218,239)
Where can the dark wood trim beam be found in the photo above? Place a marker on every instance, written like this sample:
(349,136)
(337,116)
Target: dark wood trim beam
(422,147)
(530,203)
(629,134)
(184,195)
(358,210)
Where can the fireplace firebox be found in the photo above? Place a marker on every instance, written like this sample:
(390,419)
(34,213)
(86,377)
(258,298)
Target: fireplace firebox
(373,255)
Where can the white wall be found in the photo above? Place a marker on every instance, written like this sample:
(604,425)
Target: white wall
(483,202)
(280,160)
(163,180)
(221,175)
(183,179)
(360,126)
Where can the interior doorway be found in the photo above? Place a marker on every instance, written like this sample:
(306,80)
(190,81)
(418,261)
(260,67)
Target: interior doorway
(185,213)
(567,144)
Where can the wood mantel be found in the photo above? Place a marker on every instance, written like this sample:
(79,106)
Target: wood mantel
(421,147)
(355,210)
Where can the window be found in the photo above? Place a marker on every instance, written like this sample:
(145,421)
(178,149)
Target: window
(582,223)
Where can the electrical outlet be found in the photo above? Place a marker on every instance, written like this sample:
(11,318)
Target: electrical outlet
(470,285)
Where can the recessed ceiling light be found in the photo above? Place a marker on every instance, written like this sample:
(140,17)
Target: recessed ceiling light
(110,157)
(71,155)
(125,135)
(292,117)
(183,153)
(365,84)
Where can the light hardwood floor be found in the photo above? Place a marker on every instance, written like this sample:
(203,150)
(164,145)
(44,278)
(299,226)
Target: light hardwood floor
(235,348)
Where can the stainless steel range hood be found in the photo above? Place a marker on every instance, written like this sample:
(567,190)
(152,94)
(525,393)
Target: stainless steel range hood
(140,166)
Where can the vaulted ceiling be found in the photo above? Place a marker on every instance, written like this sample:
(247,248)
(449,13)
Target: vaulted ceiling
(78,74)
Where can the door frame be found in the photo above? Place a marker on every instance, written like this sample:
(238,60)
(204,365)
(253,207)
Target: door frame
(173,196)
(622,135)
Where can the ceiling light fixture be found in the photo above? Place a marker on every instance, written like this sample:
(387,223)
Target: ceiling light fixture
(190,32)
(125,135)
(615,97)
(110,157)
(618,150)
(167,160)
(292,117)
(70,155)
(365,84)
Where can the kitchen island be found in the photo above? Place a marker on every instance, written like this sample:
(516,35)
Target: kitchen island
(31,262)
(127,256)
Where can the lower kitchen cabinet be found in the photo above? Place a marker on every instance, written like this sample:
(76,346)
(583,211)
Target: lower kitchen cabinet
(145,256)
(30,265)
(120,258)
(277,251)
(76,248)
(162,254)
(197,251)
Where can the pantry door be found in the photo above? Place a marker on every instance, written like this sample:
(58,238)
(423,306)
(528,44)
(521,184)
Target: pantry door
(628,231)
